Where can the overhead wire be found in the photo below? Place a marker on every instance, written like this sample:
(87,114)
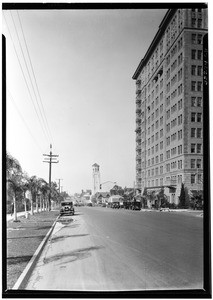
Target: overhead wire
(22,118)
(28,71)
(44,124)
(42,107)
(45,134)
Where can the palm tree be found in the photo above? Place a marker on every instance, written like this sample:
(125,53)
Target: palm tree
(43,191)
(24,188)
(54,192)
(32,186)
(14,178)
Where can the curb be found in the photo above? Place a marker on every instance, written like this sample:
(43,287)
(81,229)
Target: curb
(22,280)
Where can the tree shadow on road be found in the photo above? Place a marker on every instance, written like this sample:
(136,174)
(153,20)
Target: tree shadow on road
(71,256)
(60,238)
(18,259)
(78,213)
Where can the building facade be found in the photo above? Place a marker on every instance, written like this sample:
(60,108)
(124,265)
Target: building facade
(169,100)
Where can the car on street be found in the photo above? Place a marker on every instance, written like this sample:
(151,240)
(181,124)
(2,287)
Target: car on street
(67,208)
(135,205)
(115,205)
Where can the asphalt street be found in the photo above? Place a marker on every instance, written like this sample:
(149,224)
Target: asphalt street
(104,249)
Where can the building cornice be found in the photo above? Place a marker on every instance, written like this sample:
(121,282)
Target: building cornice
(170,13)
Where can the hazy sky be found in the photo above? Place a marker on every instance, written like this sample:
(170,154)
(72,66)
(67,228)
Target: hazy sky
(83,61)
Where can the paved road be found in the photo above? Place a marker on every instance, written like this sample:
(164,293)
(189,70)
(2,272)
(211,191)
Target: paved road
(105,249)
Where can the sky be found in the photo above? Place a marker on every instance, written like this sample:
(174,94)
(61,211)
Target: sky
(82,96)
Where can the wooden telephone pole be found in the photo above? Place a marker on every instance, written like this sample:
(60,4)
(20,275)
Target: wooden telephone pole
(50,159)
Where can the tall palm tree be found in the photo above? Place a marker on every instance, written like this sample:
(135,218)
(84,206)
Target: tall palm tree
(25,188)
(32,185)
(42,191)
(54,192)
(14,179)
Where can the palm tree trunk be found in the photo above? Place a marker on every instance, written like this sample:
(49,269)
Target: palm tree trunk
(40,203)
(43,203)
(31,201)
(25,209)
(14,212)
(36,204)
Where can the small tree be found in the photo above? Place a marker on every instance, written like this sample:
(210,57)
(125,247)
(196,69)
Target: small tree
(183,198)
(163,199)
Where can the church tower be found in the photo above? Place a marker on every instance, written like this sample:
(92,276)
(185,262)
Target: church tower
(96,178)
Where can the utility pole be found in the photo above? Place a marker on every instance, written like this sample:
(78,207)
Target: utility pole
(50,160)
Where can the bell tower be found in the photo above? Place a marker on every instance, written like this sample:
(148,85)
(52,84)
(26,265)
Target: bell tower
(96,178)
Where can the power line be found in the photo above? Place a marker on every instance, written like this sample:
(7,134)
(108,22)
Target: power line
(28,70)
(25,78)
(29,74)
(34,75)
(11,97)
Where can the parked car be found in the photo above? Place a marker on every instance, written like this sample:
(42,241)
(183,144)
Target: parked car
(115,205)
(164,209)
(127,204)
(67,208)
(135,205)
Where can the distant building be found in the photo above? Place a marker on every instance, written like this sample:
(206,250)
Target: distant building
(169,100)
(96,178)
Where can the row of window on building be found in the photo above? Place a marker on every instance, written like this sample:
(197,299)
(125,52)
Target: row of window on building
(173,165)
(195,117)
(196,86)
(195,102)
(197,39)
(195,133)
(195,164)
(196,70)
(195,54)
(174,28)
(172,180)
(195,147)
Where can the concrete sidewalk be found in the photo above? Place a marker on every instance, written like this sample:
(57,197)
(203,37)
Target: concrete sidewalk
(68,261)
(23,238)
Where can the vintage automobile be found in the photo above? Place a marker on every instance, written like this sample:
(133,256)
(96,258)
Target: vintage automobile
(67,208)
(115,205)
(135,204)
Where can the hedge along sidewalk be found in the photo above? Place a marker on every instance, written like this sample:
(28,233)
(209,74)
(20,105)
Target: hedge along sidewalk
(23,239)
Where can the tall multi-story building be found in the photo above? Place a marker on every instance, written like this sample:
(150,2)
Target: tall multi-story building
(169,100)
